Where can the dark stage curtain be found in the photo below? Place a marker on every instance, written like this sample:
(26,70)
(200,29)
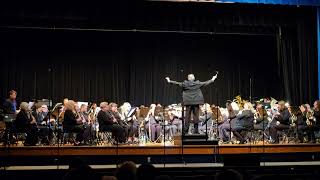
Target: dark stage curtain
(120,67)
(297,61)
(242,42)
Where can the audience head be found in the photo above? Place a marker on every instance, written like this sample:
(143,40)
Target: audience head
(127,170)
(79,170)
(146,172)
(163,177)
(229,174)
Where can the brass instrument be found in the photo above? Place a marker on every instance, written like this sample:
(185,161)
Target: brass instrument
(294,111)
(92,116)
(293,120)
(310,118)
(238,99)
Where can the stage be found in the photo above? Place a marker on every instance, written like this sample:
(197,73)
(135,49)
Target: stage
(52,162)
(158,149)
(224,155)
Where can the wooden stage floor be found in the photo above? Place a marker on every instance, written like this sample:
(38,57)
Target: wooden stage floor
(157,149)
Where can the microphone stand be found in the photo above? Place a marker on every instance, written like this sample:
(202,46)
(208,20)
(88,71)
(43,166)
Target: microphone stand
(206,116)
(183,132)
(50,71)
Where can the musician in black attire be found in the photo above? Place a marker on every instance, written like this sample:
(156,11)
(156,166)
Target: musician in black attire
(72,123)
(309,122)
(192,97)
(107,122)
(261,119)
(282,119)
(316,114)
(40,114)
(298,122)
(26,123)
(116,115)
(243,122)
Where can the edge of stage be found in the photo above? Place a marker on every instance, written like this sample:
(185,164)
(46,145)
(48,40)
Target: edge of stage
(157,149)
(229,155)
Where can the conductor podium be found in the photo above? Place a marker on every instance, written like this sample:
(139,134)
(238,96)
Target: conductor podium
(197,139)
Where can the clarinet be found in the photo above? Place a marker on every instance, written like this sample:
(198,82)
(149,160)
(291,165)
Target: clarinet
(112,117)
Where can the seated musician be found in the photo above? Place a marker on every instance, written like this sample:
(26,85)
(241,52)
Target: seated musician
(316,114)
(71,122)
(308,114)
(173,124)
(89,132)
(225,127)
(298,122)
(115,113)
(130,120)
(281,119)
(63,107)
(261,118)
(107,122)
(205,118)
(243,122)
(152,124)
(83,112)
(26,123)
(40,113)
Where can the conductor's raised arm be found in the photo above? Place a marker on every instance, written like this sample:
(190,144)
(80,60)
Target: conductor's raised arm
(173,82)
(209,81)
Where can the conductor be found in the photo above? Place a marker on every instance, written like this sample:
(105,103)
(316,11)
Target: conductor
(192,98)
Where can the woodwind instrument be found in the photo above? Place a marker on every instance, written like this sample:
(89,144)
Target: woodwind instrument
(144,111)
(216,114)
(112,117)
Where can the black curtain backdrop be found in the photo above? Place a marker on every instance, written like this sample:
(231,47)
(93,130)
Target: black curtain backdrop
(273,45)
